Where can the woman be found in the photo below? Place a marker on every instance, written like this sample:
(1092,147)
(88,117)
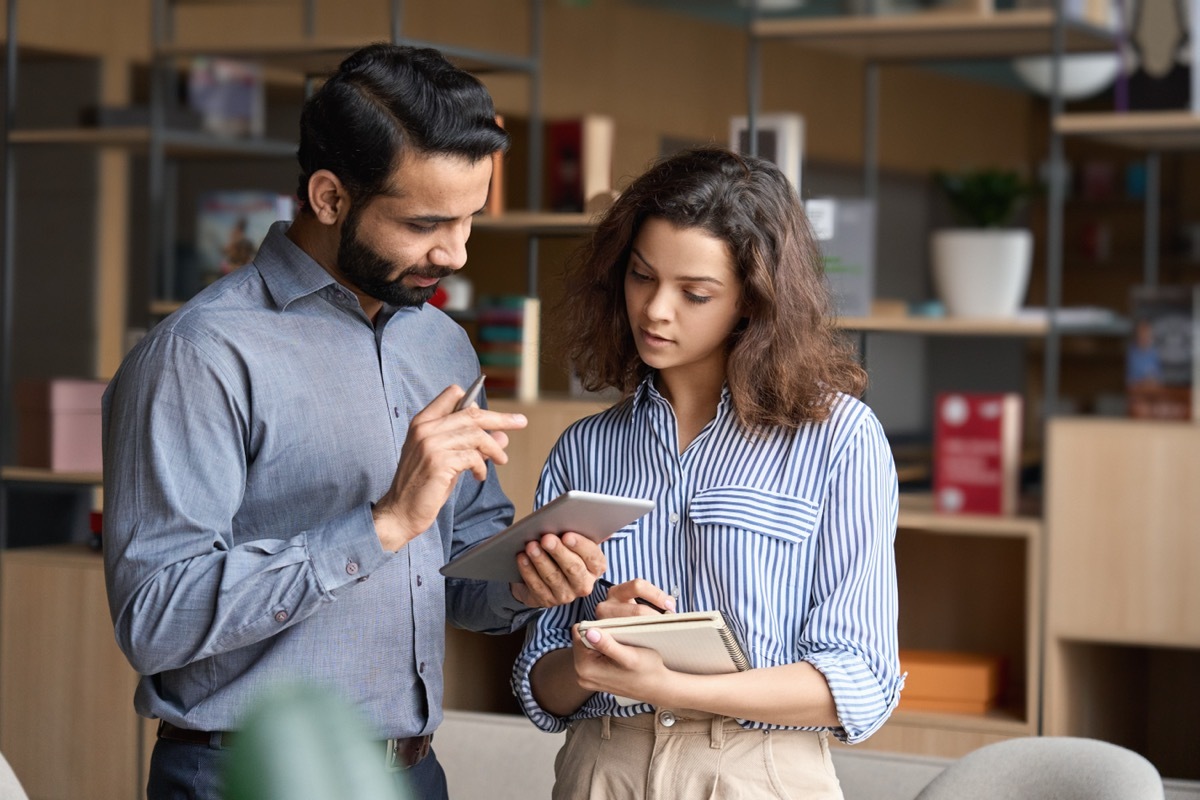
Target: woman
(701,297)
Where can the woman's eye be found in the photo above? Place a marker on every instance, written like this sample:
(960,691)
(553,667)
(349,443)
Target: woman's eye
(696,298)
(638,276)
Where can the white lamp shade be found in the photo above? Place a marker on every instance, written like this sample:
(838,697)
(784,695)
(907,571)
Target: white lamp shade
(1083,74)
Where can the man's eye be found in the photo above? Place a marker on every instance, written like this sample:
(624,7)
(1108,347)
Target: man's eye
(417,227)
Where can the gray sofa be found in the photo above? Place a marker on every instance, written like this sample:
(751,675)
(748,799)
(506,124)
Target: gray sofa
(502,756)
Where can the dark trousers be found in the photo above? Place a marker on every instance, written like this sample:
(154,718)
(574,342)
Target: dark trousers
(185,771)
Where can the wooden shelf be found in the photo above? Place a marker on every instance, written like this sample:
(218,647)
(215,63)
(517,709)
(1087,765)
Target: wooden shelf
(193,144)
(999,721)
(1144,130)
(40,475)
(322,56)
(936,35)
(537,223)
(916,513)
(964,326)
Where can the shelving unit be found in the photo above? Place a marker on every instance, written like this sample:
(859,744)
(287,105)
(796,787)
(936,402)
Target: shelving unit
(62,679)
(1123,629)
(967,583)
(1122,637)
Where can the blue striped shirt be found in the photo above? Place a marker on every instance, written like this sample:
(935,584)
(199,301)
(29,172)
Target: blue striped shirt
(790,534)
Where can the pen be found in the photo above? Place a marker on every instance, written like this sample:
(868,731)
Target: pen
(472,394)
(609,584)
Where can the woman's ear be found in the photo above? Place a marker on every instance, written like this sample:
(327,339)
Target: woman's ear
(327,197)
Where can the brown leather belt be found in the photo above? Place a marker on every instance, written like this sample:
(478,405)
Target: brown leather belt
(398,753)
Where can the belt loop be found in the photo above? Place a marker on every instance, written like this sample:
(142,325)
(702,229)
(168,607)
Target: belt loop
(605,729)
(717,732)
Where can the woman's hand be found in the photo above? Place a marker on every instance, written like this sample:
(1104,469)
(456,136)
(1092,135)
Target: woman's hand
(602,664)
(622,600)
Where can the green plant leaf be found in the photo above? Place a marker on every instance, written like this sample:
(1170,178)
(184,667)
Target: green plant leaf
(987,198)
(301,743)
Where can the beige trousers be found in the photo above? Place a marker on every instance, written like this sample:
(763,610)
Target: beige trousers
(691,755)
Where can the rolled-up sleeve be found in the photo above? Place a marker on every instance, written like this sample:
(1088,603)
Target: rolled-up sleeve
(851,632)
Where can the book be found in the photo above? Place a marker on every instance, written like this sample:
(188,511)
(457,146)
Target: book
(495,199)
(1161,358)
(229,95)
(845,229)
(579,162)
(695,642)
(230,225)
(508,344)
(976,452)
(780,140)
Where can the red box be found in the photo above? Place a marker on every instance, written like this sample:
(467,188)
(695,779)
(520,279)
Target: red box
(976,452)
(58,426)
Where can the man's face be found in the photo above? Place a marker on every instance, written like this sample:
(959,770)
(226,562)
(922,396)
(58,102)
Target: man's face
(396,246)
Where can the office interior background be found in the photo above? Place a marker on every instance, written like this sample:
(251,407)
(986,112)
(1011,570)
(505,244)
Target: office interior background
(1080,604)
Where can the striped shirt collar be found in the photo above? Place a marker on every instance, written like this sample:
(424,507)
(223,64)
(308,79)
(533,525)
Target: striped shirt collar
(646,394)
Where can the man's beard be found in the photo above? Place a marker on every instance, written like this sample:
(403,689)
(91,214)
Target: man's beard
(369,271)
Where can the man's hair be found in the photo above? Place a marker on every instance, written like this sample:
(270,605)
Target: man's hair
(787,358)
(385,101)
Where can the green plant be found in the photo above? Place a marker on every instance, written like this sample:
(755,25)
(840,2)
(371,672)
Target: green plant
(302,743)
(988,198)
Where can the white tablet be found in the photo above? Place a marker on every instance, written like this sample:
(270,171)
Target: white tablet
(596,516)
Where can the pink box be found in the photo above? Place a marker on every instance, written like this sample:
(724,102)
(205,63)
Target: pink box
(58,426)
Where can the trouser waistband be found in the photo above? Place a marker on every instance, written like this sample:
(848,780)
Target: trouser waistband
(401,753)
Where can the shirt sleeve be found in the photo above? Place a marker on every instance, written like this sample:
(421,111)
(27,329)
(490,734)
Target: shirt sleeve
(180,588)
(851,632)
(552,630)
(482,510)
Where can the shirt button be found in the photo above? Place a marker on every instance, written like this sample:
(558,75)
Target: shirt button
(421,668)
(419,581)
(396,412)
(281,616)
(674,518)
(666,719)
(351,568)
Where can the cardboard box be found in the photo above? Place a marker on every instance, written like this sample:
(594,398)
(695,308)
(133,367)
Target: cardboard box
(950,682)
(59,424)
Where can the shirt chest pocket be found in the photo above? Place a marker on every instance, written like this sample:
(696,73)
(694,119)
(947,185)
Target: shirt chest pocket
(783,517)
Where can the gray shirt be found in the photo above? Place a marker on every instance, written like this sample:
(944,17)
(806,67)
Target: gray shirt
(245,439)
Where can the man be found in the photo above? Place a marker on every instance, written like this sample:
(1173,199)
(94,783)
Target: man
(283,463)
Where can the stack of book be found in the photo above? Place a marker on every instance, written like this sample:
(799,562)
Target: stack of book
(508,344)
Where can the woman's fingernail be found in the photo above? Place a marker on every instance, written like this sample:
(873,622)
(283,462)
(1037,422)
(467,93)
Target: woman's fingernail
(593,635)
(670,604)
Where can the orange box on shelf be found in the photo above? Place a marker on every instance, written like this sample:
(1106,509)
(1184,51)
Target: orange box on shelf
(950,682)
(59,424)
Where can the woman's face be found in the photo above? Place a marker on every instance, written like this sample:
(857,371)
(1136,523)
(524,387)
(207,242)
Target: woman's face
(683,296)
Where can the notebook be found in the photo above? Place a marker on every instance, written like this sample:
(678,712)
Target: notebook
(696,642)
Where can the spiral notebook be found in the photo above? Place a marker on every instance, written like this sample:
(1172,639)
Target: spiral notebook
(696,642)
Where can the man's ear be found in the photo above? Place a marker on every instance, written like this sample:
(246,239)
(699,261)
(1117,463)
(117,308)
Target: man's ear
(327,197)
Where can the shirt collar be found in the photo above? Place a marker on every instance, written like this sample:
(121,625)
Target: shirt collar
(646,393)
(288,272)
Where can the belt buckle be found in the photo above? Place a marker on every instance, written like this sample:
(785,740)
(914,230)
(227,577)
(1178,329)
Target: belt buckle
(391,757)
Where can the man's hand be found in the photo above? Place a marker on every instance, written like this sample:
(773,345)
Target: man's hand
(558,569)
(441,444)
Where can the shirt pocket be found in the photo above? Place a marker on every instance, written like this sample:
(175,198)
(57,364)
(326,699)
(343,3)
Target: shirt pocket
(785,517)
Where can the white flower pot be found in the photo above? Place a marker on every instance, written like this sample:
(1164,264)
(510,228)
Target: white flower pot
(981,272)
